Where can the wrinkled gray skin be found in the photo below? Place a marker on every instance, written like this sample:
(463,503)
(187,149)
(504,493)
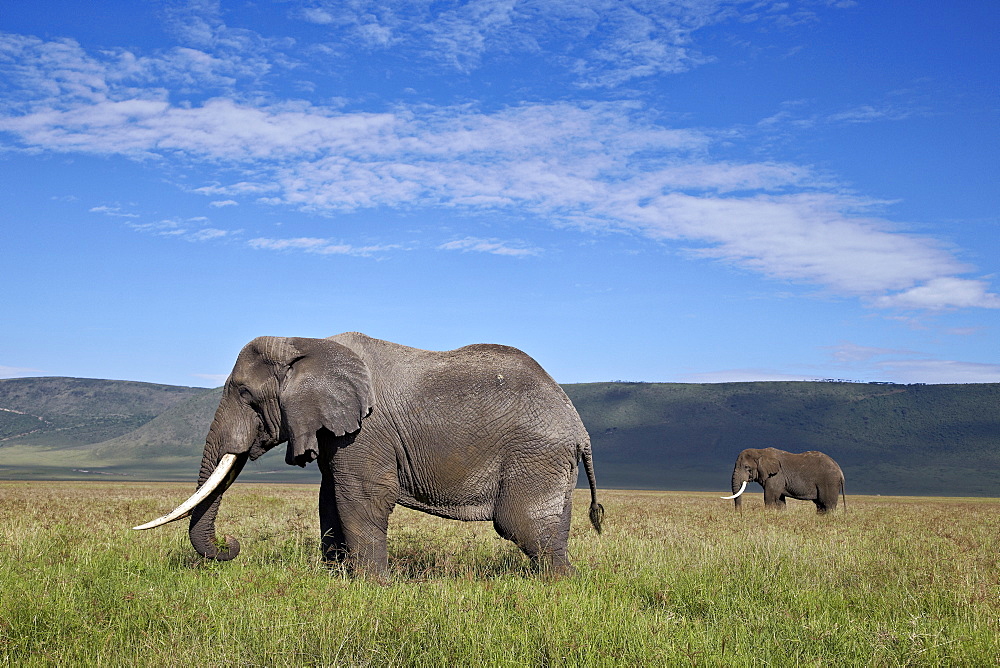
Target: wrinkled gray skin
(810,476)
(478,433)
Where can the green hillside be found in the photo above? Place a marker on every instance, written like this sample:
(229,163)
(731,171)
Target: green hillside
(171,445)
(48,424)
(889,439)
(177,432)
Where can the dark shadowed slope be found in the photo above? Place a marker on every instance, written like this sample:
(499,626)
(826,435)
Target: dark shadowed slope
(889,439)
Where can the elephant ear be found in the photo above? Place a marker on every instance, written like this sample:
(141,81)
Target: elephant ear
(327,386)
(768,465)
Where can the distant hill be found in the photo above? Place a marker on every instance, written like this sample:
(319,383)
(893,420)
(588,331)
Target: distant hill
(56,412)
(889,439)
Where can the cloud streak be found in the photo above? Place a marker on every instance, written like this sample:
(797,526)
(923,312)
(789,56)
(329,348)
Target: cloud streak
(17,371)
(587,165)
(318,246)
(909,366)
(491,246)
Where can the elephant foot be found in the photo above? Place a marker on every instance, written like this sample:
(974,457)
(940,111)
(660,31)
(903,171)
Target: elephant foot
(551,569)
(553,574)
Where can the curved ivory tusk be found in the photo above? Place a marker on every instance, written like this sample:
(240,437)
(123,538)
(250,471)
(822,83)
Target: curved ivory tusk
(183,510)
(727,497)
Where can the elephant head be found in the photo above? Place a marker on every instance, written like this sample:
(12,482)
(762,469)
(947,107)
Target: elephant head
(281,389)
(752,465)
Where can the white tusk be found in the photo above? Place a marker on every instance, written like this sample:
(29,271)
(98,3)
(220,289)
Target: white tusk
(183,510)
(734,495)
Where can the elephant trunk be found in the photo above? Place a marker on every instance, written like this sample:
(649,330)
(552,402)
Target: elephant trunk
(739,484)
(235,435)
(223,470)
(215,478)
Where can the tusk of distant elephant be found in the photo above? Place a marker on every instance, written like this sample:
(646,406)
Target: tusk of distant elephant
(183,510)
(721,497)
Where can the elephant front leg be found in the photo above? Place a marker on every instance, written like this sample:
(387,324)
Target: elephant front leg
(364,521)
(366,551)
(334,543)
(774,496)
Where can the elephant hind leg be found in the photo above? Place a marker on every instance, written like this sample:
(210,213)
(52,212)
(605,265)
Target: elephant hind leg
(826,500)
(541,531)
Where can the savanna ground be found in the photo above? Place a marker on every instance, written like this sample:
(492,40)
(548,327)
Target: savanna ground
(676,579)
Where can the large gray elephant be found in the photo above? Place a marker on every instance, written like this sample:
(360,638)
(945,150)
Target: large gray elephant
(810,476)
(477,433)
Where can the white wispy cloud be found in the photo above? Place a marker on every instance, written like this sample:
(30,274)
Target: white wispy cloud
(942,292)
(861,363)
(217,378)
(239,188)
(847,352)
(811,237)
(17,371)
(800,114)
(940,371)
(206,234)
(741,376)
(610,42)
(218,204)
(114,211)
(590,165)
(191,229)
(908,366)
(492,246)
(215,50)
(870,113)
(319,246)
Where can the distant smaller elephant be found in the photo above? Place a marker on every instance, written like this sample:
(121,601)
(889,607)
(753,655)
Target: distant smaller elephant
(809,476)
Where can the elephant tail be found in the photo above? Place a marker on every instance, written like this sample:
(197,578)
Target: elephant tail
(596,509)
(842,495)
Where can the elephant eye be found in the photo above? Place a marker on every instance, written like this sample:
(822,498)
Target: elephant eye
(246,394)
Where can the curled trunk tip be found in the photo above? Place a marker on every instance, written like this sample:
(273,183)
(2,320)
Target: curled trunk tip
(219,552)
(202,528)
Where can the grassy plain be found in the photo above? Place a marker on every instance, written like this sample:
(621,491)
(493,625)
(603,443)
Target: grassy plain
(676,579)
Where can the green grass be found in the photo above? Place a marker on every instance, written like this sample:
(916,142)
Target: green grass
(676,579)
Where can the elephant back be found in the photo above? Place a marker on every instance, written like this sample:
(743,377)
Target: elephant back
(487,379)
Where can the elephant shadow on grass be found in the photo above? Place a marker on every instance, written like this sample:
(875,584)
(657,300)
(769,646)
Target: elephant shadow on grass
(415,554)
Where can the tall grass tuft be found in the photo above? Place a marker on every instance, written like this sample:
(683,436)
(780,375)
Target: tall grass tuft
(675,579)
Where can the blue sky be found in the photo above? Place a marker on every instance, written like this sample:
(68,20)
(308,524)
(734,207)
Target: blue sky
(692,191)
